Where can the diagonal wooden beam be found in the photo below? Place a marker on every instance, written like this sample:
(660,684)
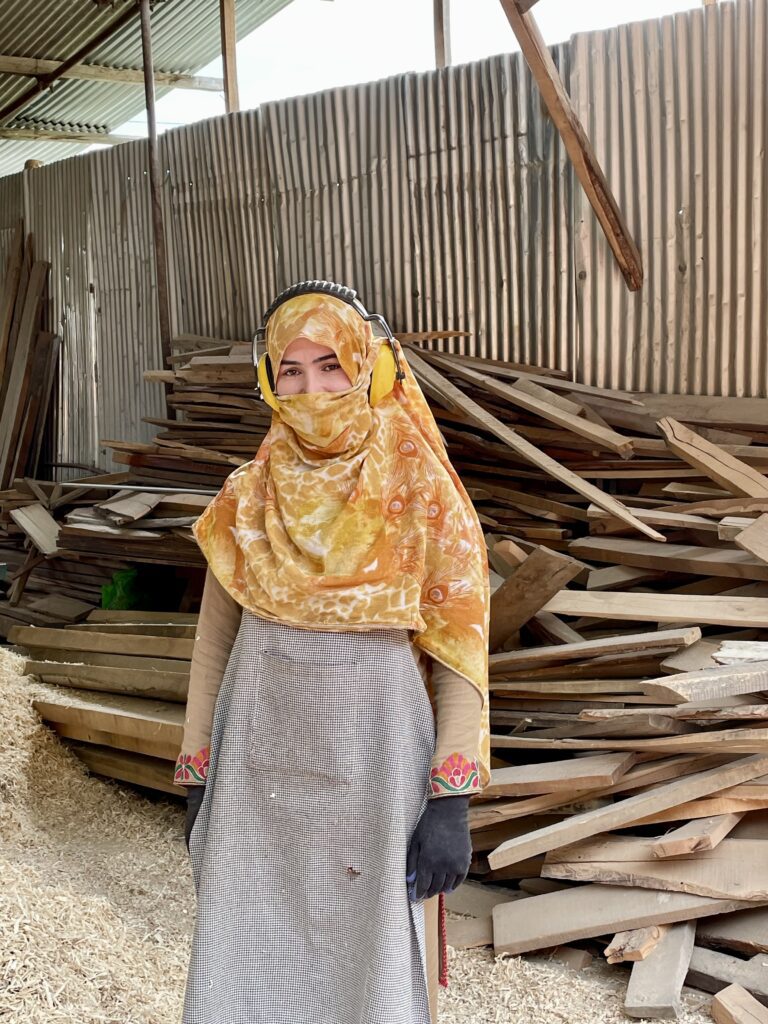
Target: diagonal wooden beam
(577,145)
(35,68)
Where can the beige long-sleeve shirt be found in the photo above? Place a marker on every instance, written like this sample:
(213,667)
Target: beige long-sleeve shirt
(457,703)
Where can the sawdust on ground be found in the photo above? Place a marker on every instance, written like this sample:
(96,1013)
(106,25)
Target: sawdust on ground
(97,904)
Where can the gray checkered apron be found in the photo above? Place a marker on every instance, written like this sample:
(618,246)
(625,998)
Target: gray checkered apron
(320,757)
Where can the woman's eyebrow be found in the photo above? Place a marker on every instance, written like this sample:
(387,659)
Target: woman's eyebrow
(294,362)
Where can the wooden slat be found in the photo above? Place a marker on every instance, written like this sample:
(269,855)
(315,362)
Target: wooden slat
(656,983)
(107,643)
(526,590)
(731,473)
(713,610)
(628,810)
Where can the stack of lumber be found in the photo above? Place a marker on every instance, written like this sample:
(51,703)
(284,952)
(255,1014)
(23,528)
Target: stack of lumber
(28,358)
(211,384)
(121,686)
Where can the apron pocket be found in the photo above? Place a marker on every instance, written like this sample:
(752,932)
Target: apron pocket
(304,720)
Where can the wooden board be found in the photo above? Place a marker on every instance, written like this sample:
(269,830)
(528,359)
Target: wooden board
(555,776)
(470,932)
(589,910)
(634,945)
(736,869)
(695,836)
(713,971)
(165,749)
(754,539)
(108,643)
(518,661)
(656,983)
(628,810)
(170,686)
(731,473)
(39,525)
(745,931)
(668,608)
(149,772)
(67,609)
(137,615)
(125,716)
(709,683)
(526,590)
(734,1005)
(686,558)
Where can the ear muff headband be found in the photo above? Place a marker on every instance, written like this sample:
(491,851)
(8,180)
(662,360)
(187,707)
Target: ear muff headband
(386,369)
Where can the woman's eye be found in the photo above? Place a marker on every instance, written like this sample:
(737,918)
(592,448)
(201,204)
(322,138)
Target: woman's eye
(331,367)
(289,371)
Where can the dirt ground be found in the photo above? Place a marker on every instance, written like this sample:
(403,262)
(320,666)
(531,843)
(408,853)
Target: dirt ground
(97,905)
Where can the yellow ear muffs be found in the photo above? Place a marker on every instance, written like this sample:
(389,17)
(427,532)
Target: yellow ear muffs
(383,376)
(265,385)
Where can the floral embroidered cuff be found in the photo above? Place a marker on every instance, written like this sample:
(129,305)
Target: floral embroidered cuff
(457,774)
(192,769)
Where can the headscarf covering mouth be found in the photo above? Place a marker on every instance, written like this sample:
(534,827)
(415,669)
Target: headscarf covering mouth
(353,518)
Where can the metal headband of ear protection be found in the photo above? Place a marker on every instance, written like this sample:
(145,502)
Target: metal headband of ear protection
(338,291)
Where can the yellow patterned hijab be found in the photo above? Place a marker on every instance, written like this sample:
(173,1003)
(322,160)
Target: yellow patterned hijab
(352,517)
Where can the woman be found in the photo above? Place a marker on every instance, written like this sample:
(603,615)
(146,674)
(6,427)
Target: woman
(343,642)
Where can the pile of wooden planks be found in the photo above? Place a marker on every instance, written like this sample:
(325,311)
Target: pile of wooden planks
(28,357)
(628,540)
(126,676)
(212,385)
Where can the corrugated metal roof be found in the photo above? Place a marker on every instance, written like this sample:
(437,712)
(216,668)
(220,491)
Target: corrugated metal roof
(185,37)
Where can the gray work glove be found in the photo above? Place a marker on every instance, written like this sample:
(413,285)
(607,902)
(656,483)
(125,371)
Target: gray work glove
(441,849)
(195,796)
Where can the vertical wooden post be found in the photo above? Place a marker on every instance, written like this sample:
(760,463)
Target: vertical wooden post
(442,14)
(229,54)
(155,186)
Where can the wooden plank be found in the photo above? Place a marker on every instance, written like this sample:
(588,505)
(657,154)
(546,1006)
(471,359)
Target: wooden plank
(164,748)
(108,643)
(749,740)
(11,414)
(477,900)
(524,448)
(126,716)
(731,473)
(138,769)
(709,683)
(668,608)
(470,932)
(518,661)
(625,811)
(171,686)
(712,972)
(10,293)
(734,1005)
(565,775)
(526,590)
(589,910)
(138,629)
(656,984)
(745,931)
(754,539)
(577,144)
(636,944)
(671,557)
(67,609)
(736,869)
(39,525)
(138,615)
(695,836)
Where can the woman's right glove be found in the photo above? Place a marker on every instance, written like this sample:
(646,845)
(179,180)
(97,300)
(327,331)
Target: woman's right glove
(195,796)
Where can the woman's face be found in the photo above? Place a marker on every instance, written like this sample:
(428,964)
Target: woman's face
(308,368)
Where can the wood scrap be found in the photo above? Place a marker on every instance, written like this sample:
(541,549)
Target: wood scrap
(656,983)
(734,1005)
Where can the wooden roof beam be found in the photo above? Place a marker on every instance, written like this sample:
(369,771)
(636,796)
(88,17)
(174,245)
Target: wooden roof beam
(50,135)
(34,68)
(14,106)
(577,145)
